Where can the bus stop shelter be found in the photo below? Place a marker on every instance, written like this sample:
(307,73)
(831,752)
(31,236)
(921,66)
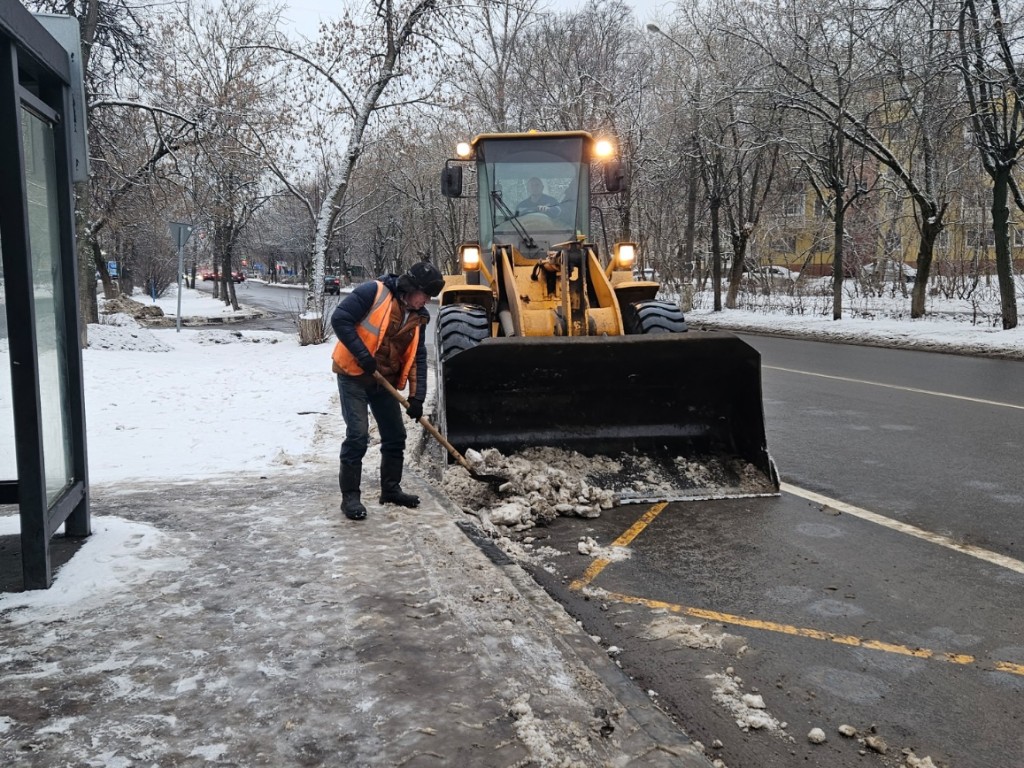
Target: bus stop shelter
(43,468)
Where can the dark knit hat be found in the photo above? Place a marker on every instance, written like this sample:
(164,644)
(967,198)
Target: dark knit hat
(422,276)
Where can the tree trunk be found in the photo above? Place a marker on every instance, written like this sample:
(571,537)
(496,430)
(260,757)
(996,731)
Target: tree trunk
(930,228)
(838,227)
(1001,231)
(716,252)
(739,256)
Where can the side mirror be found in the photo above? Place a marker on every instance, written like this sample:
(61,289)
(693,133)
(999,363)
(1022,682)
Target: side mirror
(614,176)
(451,181)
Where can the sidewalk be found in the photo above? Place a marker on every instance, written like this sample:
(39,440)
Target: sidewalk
(271,631)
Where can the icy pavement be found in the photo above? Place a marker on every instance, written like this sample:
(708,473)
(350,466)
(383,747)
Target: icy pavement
(251,624)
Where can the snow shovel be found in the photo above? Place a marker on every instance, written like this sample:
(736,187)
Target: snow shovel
(495,480)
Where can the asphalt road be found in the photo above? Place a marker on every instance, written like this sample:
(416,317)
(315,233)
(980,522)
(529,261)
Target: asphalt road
(282,303)
(858,609)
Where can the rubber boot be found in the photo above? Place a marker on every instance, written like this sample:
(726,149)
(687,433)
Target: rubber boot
(391,483)
(348,479)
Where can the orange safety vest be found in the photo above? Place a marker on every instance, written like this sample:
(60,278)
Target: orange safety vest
(371,331)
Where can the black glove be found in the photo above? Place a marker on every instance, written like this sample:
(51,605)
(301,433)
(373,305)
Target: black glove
(368,364)
(415,409)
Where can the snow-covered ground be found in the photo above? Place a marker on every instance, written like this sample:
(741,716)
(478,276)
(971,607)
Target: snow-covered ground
(882,318)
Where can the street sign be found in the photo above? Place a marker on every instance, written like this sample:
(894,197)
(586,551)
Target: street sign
(181,233)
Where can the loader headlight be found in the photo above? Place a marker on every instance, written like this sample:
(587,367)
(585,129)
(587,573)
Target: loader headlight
(625,255)
(462,149)
(604,149)
(469,255)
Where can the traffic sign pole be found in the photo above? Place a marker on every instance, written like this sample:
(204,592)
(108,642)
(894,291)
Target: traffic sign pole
(180,233)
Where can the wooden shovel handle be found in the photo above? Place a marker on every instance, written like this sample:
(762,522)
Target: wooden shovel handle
(424,422)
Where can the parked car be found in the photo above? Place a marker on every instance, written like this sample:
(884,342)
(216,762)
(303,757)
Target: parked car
(889,271)
(332,285)
(757,277)
(773,272)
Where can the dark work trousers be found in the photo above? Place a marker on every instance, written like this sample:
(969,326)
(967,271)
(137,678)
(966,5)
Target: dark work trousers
(357,398)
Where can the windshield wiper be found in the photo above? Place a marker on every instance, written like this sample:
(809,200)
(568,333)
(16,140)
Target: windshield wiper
(513,217)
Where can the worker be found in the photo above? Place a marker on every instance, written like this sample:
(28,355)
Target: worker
(380,327)
(537,202)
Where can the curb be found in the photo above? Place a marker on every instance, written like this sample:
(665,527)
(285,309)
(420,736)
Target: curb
(170,321)
(665,735)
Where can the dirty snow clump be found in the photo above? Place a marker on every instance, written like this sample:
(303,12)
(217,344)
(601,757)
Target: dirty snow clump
(816,736)
(913,761)
(693,634)
(588,546)
(726,691)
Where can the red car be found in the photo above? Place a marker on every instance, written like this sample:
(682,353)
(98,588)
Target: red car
(237,277)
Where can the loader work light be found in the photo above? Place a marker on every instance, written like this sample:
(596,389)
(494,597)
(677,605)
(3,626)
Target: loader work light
(604,149)
(462,149)
(470,257)
(625,255)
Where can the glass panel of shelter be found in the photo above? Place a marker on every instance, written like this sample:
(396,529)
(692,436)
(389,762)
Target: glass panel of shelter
(44,246)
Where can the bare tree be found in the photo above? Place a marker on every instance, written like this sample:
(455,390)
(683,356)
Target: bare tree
(212,64)
(992,79)
(886,92)
(376,54)
(492,46)
(114,37)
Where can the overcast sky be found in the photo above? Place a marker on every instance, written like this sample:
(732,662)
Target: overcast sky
(306,14)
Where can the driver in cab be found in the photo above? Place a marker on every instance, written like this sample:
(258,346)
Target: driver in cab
(537,202)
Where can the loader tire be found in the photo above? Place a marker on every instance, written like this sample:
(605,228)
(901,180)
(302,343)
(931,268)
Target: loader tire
(654,317)
(460,327)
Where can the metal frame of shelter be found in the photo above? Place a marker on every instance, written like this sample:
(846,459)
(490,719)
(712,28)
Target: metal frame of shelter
(37,241)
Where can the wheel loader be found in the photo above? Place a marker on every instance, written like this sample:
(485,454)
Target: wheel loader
(547,339)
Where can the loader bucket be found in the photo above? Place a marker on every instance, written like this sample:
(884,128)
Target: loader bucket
(690,396)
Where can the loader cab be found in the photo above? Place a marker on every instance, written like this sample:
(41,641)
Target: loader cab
(533,192)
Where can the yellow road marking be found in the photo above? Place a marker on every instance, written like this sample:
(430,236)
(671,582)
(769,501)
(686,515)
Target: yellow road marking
(911,530)
(596,567)
(933,393)
(816,634)
(599,564)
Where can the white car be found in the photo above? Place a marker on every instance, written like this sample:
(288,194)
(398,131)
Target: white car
(889,271)
(772,272)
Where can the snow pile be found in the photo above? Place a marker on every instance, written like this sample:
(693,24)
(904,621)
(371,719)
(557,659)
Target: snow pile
(128,306)
(542,484)
(207,338)
(749,709)
(121,332)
